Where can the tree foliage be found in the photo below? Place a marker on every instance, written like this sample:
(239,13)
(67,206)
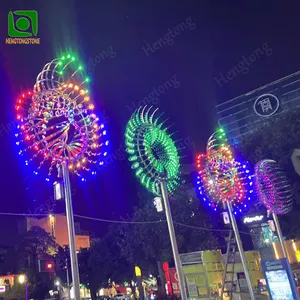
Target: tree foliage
(102,262)
(145,243)
(276,139)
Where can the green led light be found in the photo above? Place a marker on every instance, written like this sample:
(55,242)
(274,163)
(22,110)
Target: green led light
(63,58)
(73,58)
(68,56)
(151,150)
(60,72)
(80,68)
(87,79)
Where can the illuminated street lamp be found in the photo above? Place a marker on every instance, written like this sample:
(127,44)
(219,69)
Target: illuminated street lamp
(22,279)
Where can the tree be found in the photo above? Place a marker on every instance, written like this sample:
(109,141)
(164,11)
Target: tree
(145,243)
(276,139)
(102,262)
(22,259)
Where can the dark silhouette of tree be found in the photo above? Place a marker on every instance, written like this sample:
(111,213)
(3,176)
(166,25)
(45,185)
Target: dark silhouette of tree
(23,259)
(145,244)
(276,139)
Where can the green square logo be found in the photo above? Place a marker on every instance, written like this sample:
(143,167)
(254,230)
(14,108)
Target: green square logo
(22,23)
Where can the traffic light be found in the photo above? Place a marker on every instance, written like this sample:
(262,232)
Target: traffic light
(46,265)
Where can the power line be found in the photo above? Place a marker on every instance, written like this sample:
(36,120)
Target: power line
(122,222)
(119,222)
(201,228)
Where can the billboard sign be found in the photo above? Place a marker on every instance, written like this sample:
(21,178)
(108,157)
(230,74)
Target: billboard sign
(280,280)
(174,281)
(266,105)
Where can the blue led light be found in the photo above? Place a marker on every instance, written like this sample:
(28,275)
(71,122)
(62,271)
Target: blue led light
(104,132)
(47,179)
(106,143)
(105,153)
(246,181)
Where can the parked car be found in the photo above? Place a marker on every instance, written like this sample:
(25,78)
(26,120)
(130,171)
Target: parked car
(121,297)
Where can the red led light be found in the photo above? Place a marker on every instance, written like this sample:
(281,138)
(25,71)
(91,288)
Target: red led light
(49,266)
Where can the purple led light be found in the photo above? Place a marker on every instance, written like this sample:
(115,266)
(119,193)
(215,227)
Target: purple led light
(273,188)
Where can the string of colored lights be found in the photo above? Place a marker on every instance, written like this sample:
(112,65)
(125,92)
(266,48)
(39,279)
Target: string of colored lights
(151,150)
(57,120)
(272,186)
(221,177)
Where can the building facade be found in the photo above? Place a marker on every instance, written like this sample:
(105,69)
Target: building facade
(58,228)
(243,114)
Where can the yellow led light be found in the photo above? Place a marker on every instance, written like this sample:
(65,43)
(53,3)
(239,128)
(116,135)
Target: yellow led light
(70,85)
(82,92)
(78,165)
(70,167)
(91,106)
(76,87)
(86,98)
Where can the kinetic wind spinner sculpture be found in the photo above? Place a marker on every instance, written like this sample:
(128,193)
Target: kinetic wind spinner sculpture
(151,150)
(57,121)
(221,177)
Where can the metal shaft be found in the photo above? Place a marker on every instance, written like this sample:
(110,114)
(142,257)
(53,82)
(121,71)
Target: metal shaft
(173,240)
(71,231)
(68,280)
(279,233)
(241,250)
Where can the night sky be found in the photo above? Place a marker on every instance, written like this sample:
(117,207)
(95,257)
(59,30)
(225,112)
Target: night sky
(117,41)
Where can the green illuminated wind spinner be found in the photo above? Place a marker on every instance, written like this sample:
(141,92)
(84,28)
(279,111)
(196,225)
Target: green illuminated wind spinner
(151,150)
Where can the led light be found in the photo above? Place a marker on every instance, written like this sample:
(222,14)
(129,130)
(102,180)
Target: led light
(74,140)
(154,157)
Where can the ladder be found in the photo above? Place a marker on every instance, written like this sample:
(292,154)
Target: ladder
(228,275)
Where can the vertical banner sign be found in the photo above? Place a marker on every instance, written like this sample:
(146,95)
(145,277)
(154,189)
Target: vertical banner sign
(280,281)
(167,275)
(174,281)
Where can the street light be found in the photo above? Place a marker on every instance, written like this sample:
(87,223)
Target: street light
(22,279)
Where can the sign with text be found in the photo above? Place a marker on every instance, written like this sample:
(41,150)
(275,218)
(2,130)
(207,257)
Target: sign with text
(280,280)
(22,27)
(253,219)
(174,281)
(266,105)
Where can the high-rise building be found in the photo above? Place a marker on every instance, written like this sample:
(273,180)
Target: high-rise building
(57,227)
(243,114)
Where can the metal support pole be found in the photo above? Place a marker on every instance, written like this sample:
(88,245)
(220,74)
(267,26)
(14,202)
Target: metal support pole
(68,279)
(241,250)
(173,240)
(71,231)
(279,233)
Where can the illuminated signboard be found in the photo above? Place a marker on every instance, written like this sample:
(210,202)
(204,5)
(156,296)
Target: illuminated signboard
(280,280)
(138,272)
(266,105)
(253,219)
(2,289)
